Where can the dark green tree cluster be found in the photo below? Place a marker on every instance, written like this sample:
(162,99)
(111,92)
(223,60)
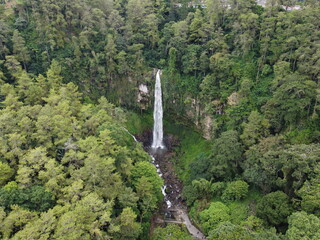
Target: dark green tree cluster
(69,170)
(170,232)
(260,89)
(247,75)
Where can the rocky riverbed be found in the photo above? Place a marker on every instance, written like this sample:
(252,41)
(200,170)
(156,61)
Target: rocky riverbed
(175,211)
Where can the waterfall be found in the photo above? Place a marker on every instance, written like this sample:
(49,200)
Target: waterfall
(158,115)
(172,199)
(133,137)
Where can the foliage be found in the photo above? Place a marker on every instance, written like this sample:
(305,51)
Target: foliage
(226,156)
(310,196)
(35,198)
(78,173)
(190,194)
(148,171)
(215,214)
(303,226)
(203,188)
(274,208)
(171,231)
(6,173)
(246,75)
(217,188)
(227,230)
(255,129)
(192,146)
(198,167)
(235,190)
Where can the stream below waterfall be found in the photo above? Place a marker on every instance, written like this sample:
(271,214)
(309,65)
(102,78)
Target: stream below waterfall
(173,209)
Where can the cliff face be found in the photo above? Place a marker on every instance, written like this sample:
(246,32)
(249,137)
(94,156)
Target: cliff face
(143,98)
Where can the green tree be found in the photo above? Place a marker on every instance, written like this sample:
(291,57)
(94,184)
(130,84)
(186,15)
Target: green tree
(25,85)
(256,128)
(227,230)
(15,221)
(19,48)
(147,170)
(203,188)
(190,61)
(260,164)
(35,198)
(198,167)
(129,229)
(151,29)
(97,174)
(291,101)
(13,66)
(215,214)
(235,190)
(226,155)
(170,232)
(274,207)
(6,173)
(246,29)
(111,53)
(310,195)
(303,226)
(54,75)
(216,11)
(42,227)
(30,165)
(128,198)
(85,220)
(148,200)
(196,29)
(122,64)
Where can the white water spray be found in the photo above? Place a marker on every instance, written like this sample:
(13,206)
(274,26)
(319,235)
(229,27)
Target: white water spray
(158,116)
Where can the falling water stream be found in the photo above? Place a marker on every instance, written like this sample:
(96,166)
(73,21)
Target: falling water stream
(157,141)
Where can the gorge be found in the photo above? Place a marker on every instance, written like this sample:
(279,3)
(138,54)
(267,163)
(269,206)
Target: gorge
(175,210)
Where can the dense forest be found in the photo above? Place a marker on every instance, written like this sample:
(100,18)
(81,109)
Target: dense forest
(243,76)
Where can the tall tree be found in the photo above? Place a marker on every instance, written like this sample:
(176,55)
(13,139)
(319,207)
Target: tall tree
(19,48)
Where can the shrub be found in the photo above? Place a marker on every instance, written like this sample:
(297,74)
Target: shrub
(215,214)
(274,208)
(235,190)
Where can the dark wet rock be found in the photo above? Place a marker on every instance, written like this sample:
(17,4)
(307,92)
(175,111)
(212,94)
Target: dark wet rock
(145,138)
(178,213)
(170,141)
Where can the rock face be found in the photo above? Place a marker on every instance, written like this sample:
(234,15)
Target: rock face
(200,118)
(145,138)
(234,99)
(143,88)
(193,110)
(207,127)
(143,96)
(194,113)
(170,140)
